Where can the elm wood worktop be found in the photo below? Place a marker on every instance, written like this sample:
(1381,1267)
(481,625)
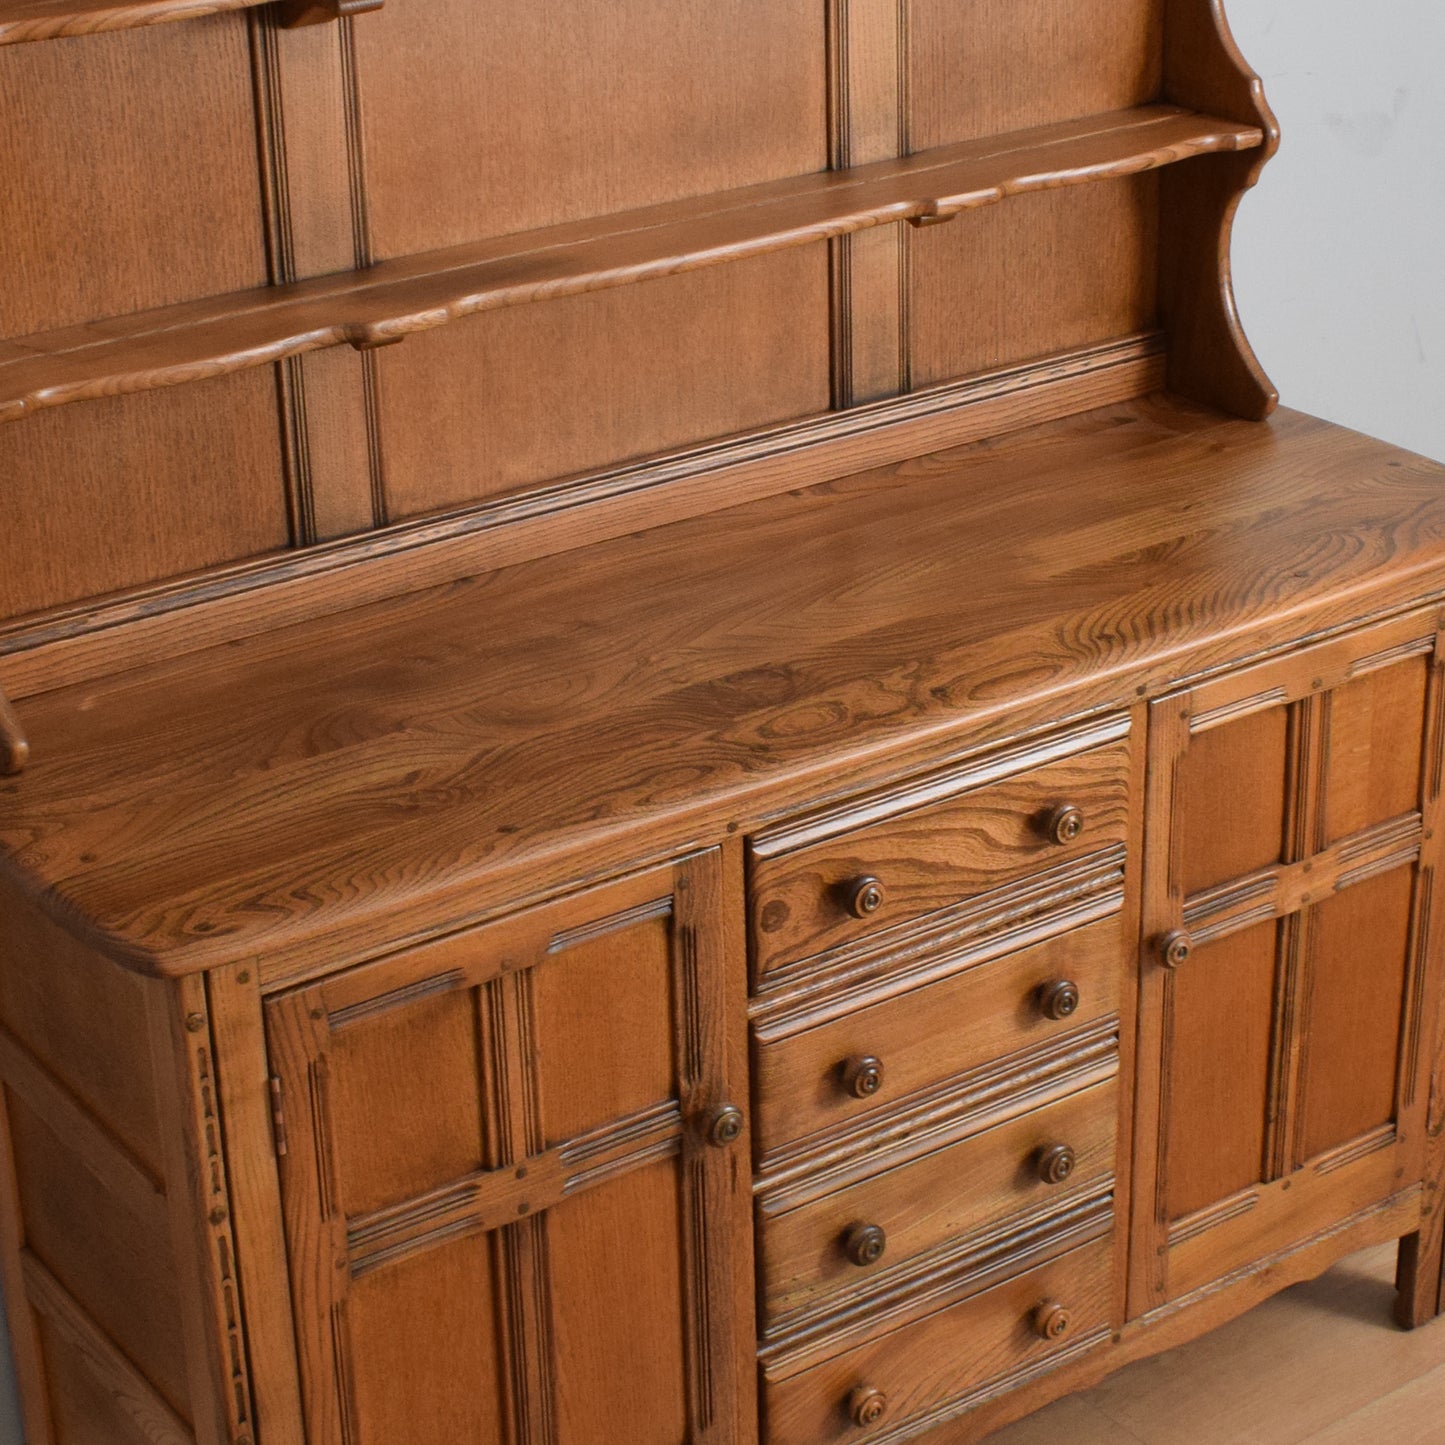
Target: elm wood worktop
(312,794)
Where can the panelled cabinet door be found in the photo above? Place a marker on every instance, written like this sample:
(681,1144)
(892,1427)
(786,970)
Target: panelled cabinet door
(515,1182)
(1284,1052)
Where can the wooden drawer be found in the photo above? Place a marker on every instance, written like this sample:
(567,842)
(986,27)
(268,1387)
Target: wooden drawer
(850,884)
(866,1058)
(908,1209)
(938,1366)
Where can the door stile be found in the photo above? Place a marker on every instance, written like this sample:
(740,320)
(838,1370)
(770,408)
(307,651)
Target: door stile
(702,1069)
(1421,1272)
(298,1034)
(1162,913)
(1304,837)
(511,1103)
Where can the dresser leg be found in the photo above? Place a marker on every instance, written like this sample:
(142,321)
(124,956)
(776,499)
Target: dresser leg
(1418,1277)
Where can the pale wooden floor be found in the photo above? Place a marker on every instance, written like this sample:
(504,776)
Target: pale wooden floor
(1320,1364)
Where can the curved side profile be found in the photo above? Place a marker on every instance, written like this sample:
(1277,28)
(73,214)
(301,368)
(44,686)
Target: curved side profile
(14,746)
(1210,358)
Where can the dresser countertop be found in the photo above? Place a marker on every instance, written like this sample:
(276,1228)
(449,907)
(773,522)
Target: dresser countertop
(322,791)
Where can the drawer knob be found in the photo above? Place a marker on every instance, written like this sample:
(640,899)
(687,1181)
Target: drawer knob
(1059,1000)
(866,896)
(725,1126)
(865,1244)
(863,1076)
(1064,825)
(1051,1321)
(867,1406)
(1176,949)
(1054,1163)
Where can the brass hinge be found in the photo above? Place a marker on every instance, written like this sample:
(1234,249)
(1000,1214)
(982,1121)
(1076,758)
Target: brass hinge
(278,1116)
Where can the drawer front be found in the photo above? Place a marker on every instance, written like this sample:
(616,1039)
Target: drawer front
(847,887)
(867,1058)
(938,1366)
(1036,1159)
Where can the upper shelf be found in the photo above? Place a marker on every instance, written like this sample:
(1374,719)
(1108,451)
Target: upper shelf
(24,20)
(389,301)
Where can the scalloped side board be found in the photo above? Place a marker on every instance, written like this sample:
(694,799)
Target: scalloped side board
(1210,358)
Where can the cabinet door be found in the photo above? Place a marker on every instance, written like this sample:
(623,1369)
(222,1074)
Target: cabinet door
(1284,1045)
(516,1195)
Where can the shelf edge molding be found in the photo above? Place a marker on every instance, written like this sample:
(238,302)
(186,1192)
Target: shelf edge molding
(24,21)
(387,302)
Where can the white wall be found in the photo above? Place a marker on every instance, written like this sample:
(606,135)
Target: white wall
(1339,252)
(1339,255)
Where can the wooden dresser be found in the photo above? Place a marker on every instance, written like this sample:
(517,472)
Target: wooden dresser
(803,819)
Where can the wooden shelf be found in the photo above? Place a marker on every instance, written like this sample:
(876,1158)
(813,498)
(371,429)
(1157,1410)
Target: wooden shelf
(390,301)
(24,20)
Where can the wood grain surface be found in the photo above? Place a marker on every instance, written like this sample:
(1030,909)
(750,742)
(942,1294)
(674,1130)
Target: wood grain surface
(428,755)
(195,611)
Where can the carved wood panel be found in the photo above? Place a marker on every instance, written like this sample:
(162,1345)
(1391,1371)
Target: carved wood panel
(1284,1056)
(516,1207)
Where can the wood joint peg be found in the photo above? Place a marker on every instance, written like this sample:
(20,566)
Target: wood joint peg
(296,13)
(14,745)
(931,216)
(363,338)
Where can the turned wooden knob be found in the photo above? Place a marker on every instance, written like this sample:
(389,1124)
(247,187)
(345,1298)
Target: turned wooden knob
(866,896)
(863,1076)
(1175,949)
(867,1406)
(1064,824)
(865,1244)
(1059,1000)
(725,1126)
(1050,1321)
(1054,1163)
